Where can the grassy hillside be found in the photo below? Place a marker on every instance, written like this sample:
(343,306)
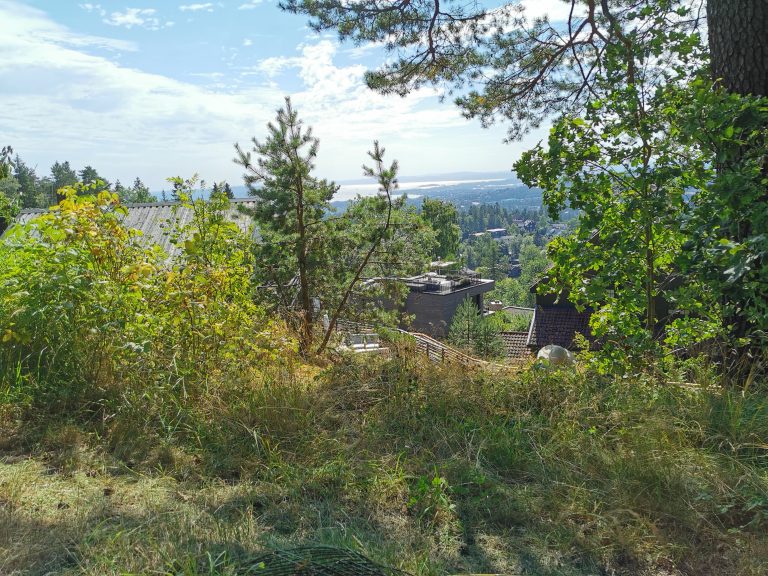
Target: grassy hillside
(432,470)
(155,418)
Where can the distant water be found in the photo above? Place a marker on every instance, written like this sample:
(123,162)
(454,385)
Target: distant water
(412,189)
(462,189)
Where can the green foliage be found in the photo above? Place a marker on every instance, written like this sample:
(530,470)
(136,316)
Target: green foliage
(464,325)
(727,243)
(291,211)
(431,498)
(6,162)
(618,165)
(403,251)
(90,176)
(508,322)
(310,255)
(9,188)
(70,282)
(33,191)
(517,291)
(481,217)
(137,193)
(443,219)
(471,331)
(208,294)
(487,256)
(86,309)
(62,176)
(27,190)
(8,201)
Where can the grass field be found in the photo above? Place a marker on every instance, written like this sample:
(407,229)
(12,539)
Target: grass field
(433,470)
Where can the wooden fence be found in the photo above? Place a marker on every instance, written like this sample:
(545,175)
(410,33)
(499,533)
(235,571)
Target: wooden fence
(434,350)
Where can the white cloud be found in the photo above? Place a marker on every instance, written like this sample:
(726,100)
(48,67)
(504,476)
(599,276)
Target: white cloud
(68,103)
(88,7)
(331,95)
(16,19)
(555,10)
(141,17)
(208,7)
(249,5)
(247,42)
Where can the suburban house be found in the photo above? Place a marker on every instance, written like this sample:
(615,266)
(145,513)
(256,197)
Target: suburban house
(156,220)
(433,297)
(557,321)
(496,232)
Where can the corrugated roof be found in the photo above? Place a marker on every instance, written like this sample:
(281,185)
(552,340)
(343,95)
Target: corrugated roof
(156,220)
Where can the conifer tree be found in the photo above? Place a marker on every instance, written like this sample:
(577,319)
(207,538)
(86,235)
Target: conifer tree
(291,207)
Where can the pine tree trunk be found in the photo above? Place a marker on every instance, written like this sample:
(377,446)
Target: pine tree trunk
(305,343)
(738,44)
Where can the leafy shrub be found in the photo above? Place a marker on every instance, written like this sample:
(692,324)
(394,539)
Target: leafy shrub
(71,284)
(87,308)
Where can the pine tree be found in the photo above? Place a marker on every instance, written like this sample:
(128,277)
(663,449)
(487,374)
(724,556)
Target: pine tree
(291,207)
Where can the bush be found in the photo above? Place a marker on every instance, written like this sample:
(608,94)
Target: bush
(87,309)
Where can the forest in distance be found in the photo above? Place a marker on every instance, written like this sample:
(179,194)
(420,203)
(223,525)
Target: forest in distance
(242,389)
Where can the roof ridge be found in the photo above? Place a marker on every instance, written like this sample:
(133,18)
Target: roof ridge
(160,204)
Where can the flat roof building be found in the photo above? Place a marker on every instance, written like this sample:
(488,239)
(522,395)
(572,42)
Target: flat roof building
(433,298)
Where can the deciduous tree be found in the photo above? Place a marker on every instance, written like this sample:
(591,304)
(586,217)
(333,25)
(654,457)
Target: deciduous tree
(444,220)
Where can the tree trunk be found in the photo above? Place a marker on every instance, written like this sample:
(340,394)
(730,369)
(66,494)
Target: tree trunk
(650,282)
(305,343)
(738,44)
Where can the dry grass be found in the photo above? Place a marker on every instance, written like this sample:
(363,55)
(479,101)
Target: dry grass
(432,470)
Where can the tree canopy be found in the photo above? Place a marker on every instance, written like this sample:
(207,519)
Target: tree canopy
(642,143)
(309,256)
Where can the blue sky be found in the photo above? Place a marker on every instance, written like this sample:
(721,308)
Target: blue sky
(157,88)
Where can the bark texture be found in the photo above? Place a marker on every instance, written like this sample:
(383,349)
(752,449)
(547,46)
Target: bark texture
(738,44)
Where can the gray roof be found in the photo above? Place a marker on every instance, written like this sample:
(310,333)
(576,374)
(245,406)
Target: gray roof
(156,219)
(516,344)
(559,325)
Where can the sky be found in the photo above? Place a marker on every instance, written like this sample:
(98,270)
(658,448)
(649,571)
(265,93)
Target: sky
(160,88)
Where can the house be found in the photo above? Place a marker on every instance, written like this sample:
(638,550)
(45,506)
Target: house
(496,232)
(516,345)
(557,323)
(434,297)
(525,225)
(556,320)
(156,220)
